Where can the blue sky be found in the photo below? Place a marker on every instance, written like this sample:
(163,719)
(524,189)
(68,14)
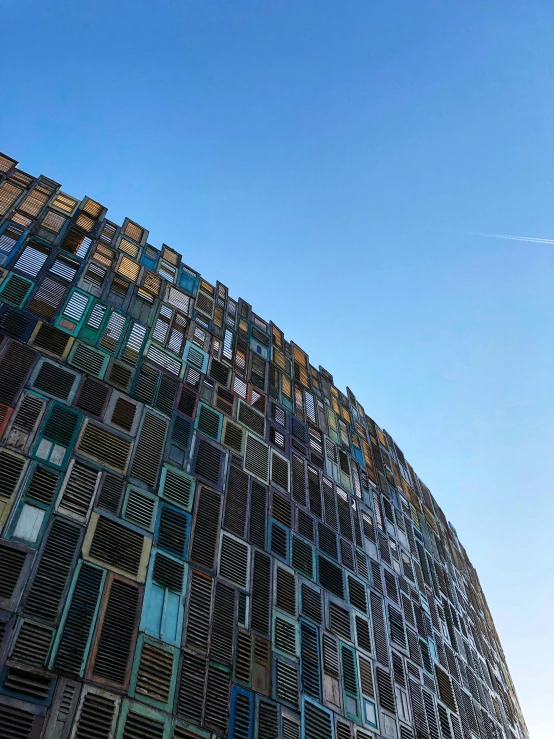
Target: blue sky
(326,160)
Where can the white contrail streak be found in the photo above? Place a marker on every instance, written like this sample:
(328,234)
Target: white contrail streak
(513,238)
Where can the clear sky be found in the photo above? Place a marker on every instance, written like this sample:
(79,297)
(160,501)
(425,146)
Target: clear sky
(326,160)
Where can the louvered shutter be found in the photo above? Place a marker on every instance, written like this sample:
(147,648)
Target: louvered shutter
(149,448)
(78,620)
(310,669)
(205,537)
(52,575)
(117,633)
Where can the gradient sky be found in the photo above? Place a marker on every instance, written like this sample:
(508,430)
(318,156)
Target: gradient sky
(326,160)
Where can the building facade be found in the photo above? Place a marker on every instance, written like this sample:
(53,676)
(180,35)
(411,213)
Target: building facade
(201,536)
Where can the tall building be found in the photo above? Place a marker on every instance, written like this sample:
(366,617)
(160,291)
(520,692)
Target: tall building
(201,535)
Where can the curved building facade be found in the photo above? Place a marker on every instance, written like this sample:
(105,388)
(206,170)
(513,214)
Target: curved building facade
(201,535)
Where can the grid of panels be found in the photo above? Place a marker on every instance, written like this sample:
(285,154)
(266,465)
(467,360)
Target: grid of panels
(201,535)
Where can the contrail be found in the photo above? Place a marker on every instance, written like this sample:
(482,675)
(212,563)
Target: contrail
(513,238)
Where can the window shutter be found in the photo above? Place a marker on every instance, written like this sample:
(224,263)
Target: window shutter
(261,593)
(330,577)
(311,604)
(190,700)
(32,644)
(140,508)
(223,625)
(233,561)
(258,515)
(77,622)
(243,661)
(242,714)
(385,690)
(155,673)
(268,720)
(379,630)
(117,633)
(177,487)
(15,366)
(53,572)
(104,446)
(317,722)
(310,671)
(173,530)
(199,609)
(236,501)
(111,493)
(298,480)
(208,462)
(78,490)
(96,715)
(256,460)
(25,421)
(116,546)
(149,448)
(217,699)
(12,566)
(302,557)
(205,538)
